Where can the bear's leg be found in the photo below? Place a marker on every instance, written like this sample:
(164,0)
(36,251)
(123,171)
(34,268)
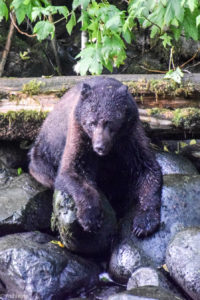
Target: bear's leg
(147,213)
(79,181)
(41,169)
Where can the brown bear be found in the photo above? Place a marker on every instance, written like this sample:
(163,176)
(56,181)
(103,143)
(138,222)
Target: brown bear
(92,143)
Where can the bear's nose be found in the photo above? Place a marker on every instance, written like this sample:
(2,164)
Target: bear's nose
(99,149)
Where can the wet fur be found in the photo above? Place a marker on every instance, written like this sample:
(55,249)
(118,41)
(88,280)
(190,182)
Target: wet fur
(63,157)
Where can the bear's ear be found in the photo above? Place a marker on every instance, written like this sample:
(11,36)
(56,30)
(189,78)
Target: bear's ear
(85,90)
(122,90)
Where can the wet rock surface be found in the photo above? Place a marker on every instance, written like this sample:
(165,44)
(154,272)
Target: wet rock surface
(24,204)
(149,276)
(125,259)
(13,156)
(145,293)
(175,164)
(33,268)
(180,209)
(72,234)
(183,260)
(192,152)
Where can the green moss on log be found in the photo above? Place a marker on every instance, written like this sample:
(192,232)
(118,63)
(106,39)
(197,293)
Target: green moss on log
(20,125)
(33,87)
(186,118)
(161,88)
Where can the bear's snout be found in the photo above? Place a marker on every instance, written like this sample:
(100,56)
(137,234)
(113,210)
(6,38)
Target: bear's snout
(101,141)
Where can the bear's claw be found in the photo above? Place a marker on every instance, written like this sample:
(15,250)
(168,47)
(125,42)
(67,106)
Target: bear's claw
(145,222)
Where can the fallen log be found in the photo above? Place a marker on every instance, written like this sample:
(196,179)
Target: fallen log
(25,102)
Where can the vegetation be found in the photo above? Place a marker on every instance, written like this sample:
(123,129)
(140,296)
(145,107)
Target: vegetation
(110,28)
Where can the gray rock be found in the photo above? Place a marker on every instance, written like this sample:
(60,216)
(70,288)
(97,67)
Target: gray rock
(23,202)
(147,276)
(125,259)
(183,261)
(12,156)
(72,234)
(145,293)
(192,152)
(6,174)
(34,268)
(102,293)
(180,209)
(175,164)
(142,277)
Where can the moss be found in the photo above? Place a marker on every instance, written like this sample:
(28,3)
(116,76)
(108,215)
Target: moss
(21,125)
(33,87)
(161,88)
(186,117)
(161,113)
(24,115)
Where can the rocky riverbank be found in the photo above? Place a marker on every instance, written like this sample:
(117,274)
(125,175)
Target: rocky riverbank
(44,253)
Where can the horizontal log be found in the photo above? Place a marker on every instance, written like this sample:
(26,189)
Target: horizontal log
(58,82)
(21,113)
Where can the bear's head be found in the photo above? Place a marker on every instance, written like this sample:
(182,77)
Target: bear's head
(105,113)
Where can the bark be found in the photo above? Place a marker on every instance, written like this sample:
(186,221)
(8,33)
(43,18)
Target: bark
(59,82)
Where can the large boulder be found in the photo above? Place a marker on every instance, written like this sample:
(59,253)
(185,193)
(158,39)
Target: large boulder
(180,209)
(24,204)
(72,234)
(31,267)
(183,260)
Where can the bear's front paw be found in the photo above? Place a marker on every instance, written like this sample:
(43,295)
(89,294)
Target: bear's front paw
(145,222)
(90,218)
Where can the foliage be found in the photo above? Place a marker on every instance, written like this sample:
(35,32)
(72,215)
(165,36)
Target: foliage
(33,87)
(109,28)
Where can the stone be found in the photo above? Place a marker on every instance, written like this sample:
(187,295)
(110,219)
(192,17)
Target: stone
(180,209)
(172,163)
(31,267)
(183,260)
(145,293)
(149,276)
(142,277)
(125,259)
(23,202)
(72,234)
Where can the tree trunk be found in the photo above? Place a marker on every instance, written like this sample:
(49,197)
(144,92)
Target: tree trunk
(7,47)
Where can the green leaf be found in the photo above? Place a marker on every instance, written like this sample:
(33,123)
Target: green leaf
(3,10)
(19,171)
(127,36)
(63,10)
(20,15)
(83,3)
(197,20)
(193,142)
(192,4)
(43,29)
(176,75)
(75,4)
(114,23)
(85,20)
(166,40)
(71,23)
(189,25)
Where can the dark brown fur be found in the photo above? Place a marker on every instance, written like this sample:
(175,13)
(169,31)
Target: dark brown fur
(93,142)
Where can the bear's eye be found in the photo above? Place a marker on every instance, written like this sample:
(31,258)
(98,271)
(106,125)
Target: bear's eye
(119,115)
(92,124)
